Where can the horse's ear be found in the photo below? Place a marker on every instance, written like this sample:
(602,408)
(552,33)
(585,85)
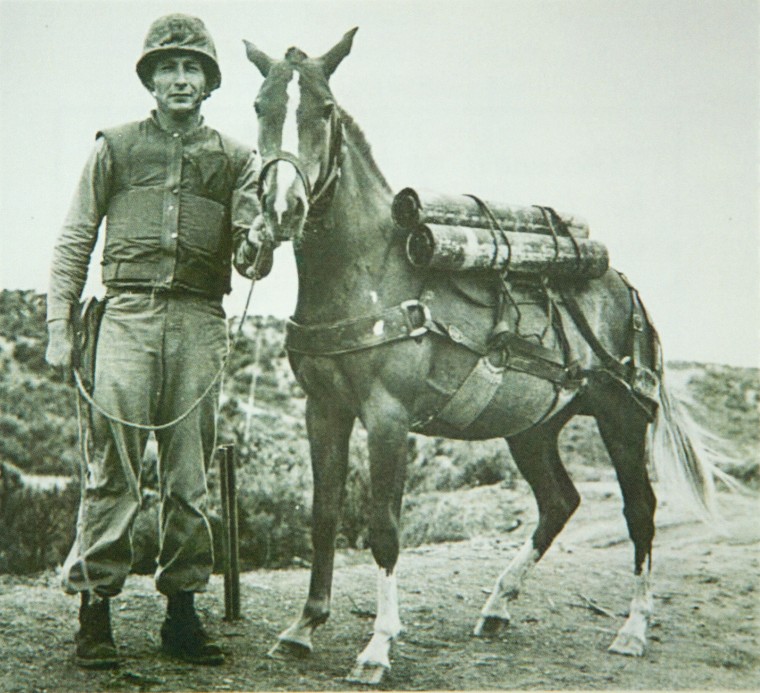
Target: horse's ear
(333,57)
(260,59)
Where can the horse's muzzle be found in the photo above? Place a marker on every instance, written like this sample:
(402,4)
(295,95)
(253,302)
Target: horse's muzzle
(289,225)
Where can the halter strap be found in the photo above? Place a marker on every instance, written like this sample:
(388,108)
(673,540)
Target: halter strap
(294,161)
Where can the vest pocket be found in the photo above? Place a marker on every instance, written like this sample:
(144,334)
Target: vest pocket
(202,223)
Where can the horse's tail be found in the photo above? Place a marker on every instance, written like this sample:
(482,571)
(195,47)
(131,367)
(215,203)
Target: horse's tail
(684,458)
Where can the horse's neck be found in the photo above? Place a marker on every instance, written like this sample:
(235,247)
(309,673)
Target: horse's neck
(352,263)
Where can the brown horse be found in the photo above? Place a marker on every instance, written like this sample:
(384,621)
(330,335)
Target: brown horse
(404,349)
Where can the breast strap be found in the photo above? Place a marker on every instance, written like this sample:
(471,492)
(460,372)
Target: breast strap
(411,319)
(407,320)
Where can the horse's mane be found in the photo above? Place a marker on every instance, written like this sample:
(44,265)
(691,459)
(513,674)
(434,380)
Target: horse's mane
(355,134)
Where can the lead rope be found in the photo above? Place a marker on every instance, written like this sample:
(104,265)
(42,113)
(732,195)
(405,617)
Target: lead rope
(217,377)
(84,470)
(85,439)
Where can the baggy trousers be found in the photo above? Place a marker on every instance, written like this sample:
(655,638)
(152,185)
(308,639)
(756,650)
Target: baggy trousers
(156,355)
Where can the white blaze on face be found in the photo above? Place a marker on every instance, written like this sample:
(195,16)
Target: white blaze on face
(286,173)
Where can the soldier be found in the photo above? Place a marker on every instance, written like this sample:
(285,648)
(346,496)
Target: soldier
(179,201)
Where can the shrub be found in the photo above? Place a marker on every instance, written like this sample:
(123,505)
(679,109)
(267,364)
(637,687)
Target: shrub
(36,527)
(439,464)
(353,528)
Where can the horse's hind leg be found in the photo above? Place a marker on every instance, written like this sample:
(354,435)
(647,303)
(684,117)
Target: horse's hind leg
(623,428)
(329,430)
(537,457)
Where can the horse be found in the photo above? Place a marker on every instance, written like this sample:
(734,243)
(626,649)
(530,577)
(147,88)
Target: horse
(369,340)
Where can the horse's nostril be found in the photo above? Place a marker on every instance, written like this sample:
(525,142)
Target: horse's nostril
(299,207)
(295,211)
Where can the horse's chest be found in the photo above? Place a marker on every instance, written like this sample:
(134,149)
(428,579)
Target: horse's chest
(321,376)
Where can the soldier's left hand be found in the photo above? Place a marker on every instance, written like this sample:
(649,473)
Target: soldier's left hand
(263,245)
(259,234)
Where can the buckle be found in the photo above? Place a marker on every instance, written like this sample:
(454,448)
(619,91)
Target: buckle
(417,316)
(645,383)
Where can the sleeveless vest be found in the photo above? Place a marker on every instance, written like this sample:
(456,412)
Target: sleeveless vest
(168,216)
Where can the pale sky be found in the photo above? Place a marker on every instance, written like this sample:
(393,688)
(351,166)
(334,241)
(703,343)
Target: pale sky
(640,116)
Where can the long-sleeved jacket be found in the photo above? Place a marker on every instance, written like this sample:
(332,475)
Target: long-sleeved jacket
(178,206)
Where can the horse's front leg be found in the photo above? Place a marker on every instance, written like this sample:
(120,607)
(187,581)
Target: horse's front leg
(387,429)
(329,429)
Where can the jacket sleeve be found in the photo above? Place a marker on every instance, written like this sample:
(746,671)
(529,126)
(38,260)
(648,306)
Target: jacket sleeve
(72,251)
(245,208)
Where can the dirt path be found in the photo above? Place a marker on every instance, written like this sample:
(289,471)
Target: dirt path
(705,634)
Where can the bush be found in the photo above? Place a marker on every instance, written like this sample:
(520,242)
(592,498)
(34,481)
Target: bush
(274,485)
(353,528)
(439,464)
(38,433)
(727,401)
(36,527)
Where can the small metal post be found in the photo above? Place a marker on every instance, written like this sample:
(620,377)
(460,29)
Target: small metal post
(230,533)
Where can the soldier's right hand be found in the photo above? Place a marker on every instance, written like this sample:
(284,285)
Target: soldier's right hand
(60,343)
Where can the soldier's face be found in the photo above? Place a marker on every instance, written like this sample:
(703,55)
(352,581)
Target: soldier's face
(179,84)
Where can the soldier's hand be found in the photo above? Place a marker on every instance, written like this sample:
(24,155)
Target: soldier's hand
(60,343)
(259,234)
(263,245)
(264,263)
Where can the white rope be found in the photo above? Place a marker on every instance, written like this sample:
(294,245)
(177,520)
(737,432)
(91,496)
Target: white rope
(252,391)
(217,377)
(148,427)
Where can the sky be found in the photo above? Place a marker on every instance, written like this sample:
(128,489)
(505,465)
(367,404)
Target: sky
(641,116)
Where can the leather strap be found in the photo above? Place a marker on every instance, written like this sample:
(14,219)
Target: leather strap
(609,362)
(528,357)
(642,382)
(412,319)
(473,395)
(407,320)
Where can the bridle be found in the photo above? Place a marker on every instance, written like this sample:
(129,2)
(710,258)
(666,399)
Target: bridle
(317,198)
(291,159)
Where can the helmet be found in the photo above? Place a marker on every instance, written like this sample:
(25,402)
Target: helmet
(179,32)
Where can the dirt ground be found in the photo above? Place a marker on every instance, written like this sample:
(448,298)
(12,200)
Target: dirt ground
(704,636)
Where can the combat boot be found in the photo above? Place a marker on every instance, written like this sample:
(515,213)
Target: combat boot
(183,635)
(94,639)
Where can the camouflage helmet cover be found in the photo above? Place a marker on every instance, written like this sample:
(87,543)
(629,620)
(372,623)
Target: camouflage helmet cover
(179,32)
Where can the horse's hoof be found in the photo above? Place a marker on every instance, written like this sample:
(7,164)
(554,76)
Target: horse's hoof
(289,649)
(490,626)
(628,644)
(370,674)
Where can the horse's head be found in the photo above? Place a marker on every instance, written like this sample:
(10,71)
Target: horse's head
(299,135)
